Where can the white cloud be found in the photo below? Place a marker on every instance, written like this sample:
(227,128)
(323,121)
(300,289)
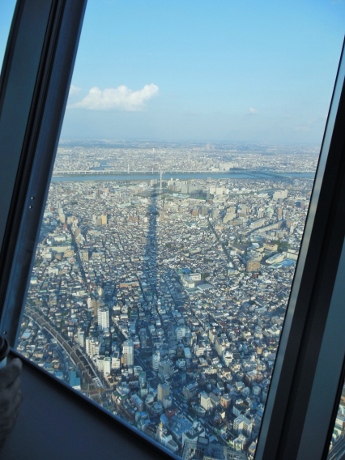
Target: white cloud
(120,98)
(252,110)
(73,90)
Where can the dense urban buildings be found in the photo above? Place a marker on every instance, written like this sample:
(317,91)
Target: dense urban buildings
(163,297)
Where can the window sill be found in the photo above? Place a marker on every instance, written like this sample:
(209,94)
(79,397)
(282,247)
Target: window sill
(54,422)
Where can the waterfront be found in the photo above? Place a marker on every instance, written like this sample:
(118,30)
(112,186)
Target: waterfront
(239,174)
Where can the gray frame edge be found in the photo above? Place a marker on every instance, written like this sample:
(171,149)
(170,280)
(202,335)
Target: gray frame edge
(50,69)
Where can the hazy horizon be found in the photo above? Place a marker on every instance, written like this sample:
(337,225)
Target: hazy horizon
(203,72)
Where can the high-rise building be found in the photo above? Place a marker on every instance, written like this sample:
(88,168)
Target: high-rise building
(128,353)
(106,365)
(205,400)
(163,391)
(81,337)
(92,346)
(243,425)
(92,305)
(103,318)
(155,360)
(115,360)
(142,378)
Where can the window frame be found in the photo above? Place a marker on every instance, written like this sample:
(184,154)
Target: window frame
(312,329)
(33,97)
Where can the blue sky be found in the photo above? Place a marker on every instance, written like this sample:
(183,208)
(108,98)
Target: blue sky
(195,70)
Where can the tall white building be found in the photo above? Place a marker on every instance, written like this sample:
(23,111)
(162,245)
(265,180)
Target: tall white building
(163,391)
(106,365)
(128,353)
(156,357)
(92,346)
(243,425)
(205,401)
(103,318)
(115,360)
(81,337)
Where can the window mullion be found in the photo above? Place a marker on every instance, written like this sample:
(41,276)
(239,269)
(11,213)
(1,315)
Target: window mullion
(52,54)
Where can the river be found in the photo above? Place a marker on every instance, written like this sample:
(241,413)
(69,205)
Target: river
(183,176)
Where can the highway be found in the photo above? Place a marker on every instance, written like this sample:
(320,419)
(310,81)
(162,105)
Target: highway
(338,451)
(82,361)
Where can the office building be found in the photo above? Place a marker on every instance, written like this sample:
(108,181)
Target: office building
(163,391)
(103,318)
(128,353)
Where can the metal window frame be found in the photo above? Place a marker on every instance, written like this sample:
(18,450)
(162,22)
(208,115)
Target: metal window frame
(34,86)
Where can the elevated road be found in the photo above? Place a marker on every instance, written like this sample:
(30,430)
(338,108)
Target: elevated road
(76,355)
(108,172)
(338,451)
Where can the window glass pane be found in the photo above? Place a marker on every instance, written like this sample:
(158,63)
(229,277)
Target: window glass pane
(176,211)
(6,14)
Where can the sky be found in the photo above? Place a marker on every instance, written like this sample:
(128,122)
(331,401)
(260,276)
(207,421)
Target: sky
(203,71)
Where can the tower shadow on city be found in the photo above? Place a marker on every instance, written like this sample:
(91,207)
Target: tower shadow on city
(150,268)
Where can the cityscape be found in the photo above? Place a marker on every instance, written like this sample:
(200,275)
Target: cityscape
(161,280)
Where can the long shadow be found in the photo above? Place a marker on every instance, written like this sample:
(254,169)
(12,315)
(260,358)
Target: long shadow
(150,269)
